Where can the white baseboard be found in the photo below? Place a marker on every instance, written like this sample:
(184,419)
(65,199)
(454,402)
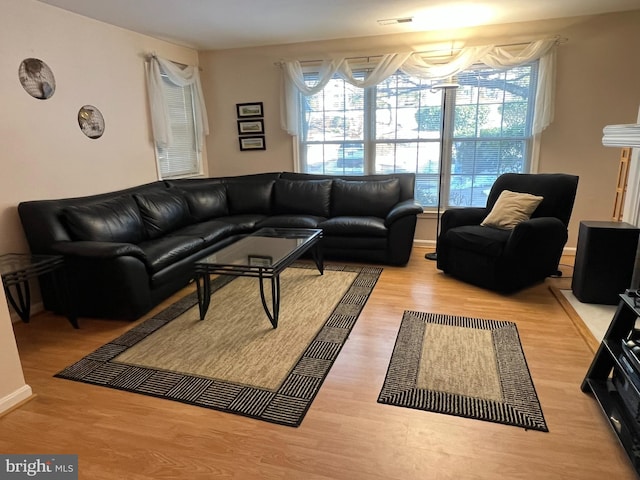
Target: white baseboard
(14,398)
(424,243)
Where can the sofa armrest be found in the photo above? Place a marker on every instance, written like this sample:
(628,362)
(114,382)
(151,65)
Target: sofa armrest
(98,249)
(402,209)
(460,217)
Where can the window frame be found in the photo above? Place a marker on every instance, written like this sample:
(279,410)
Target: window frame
(530,148)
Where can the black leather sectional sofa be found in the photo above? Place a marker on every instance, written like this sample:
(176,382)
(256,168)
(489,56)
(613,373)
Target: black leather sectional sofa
(128,250)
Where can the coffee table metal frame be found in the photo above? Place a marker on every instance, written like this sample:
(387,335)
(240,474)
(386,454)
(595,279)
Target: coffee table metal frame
(17,269)
(204,269)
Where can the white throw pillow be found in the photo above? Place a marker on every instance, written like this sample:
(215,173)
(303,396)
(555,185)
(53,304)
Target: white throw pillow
(510,209)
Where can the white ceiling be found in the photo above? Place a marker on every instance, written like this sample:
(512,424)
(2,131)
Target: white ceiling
(221,24)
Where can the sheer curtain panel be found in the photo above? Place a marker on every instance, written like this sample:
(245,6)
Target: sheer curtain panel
(414,64)
(182,77)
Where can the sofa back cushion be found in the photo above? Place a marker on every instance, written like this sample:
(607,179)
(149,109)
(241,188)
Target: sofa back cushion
(249,196)
(162,212)
(206,201)
(310,197)
(114,220)
(364,198)
(407,180)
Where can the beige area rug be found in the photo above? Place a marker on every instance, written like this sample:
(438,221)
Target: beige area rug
(234,360)
(462,366)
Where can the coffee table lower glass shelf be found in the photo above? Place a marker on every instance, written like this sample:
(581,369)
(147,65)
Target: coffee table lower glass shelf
(264,255)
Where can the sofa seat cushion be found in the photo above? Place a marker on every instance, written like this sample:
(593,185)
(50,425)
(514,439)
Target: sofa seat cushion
(162,252)
(291,221)
(211,231)
(364,198)
(163,212)
(354,227)
(306,197)
(345,244)
(487,241)
(242,223)
(115,220)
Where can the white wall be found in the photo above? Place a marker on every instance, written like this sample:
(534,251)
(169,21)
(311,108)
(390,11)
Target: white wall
(13,388)
(43,153)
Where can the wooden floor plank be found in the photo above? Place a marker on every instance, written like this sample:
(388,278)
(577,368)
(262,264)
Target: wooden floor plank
(346,434)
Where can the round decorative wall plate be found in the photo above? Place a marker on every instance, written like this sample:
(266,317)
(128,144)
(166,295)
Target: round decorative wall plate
(91,121)
(37,78)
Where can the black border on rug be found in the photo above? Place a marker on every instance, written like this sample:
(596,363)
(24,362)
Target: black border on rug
(286,406)
(521,406)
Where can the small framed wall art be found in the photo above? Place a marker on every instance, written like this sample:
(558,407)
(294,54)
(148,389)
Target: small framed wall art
(248,110)
(91,121)
(250,127)
(252,143)
(37,78)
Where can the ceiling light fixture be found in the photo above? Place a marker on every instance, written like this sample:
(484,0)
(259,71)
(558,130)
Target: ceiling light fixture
(395,21)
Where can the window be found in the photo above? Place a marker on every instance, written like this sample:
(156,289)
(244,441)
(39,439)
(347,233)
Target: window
(397,126)
(181,158)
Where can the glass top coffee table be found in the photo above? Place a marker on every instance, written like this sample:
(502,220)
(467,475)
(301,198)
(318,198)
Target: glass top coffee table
(263,254)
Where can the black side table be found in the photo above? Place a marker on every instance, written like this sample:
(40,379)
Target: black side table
(17,269)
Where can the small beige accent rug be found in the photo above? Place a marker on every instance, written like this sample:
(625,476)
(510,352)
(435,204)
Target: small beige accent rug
(234,360)
(462,366)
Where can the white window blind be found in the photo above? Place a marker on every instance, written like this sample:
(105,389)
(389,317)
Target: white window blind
(180,159)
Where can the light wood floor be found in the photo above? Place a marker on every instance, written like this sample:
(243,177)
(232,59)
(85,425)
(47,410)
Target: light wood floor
(346,433)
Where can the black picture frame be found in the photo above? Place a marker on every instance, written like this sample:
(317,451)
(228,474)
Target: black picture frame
(252,143)
(251,127)
(250,110)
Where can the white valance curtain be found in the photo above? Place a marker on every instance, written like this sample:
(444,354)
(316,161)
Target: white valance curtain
(415,65)
(181,77)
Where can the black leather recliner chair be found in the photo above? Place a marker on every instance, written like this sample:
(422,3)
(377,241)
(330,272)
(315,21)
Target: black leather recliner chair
(509,260)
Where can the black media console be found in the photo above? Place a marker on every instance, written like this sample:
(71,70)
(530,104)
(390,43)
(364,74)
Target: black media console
(614,376)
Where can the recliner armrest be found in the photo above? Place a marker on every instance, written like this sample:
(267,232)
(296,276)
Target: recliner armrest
(460,217)
(402,209)
(546,233)
(98,249)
